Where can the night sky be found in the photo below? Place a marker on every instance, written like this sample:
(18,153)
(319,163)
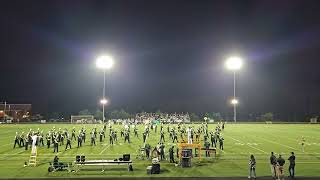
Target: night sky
(169,55)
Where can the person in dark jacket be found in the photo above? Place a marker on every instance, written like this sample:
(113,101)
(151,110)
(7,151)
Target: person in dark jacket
(221,142)
(273,165)
(280,167)
(292,160)
(171,155)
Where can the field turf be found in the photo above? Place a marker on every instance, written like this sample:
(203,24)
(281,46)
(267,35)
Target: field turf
(241,140)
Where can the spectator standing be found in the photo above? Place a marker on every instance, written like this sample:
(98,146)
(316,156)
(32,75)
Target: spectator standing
(292,160)
(252,167)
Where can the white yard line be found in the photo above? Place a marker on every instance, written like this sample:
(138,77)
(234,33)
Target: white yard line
(247,144)
(279,144)
(17,153)
(104,149)
(6,145)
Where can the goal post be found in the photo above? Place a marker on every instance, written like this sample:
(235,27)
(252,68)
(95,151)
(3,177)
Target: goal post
(82,119)
(314,120)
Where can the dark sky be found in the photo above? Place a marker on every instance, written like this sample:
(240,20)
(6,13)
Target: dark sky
(168,54)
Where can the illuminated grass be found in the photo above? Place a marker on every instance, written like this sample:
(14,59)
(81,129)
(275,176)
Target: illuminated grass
(241,140)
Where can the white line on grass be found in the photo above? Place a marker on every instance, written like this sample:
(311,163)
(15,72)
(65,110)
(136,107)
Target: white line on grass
(279,144)
(5,145)
(247,144)
(104,149)
(17,153)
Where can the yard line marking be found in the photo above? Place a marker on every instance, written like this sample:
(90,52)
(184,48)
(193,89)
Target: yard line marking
(5,145)
(279,144)
(17,153)
(104,149)
(248,144)
(299,141)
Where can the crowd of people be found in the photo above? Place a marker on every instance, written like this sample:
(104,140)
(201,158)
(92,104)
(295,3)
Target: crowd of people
(163,117)
(57,138)
(277,166)
(180,133)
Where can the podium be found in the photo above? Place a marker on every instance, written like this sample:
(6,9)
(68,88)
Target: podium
(186,157)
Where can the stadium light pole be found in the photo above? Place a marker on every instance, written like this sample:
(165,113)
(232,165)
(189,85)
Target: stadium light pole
(234,64)
(105,63)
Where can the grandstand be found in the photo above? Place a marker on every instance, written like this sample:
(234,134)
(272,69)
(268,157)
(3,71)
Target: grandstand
(163,117)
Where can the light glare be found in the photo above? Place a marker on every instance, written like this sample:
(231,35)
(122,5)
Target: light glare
(234,101)
(104,62)
(103,101)
(234,63)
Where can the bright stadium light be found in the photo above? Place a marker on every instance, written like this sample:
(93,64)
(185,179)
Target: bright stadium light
(104,62)
(234,101)
(103,101)
(234,63)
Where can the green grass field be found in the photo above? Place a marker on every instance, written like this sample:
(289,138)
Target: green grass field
(241,140)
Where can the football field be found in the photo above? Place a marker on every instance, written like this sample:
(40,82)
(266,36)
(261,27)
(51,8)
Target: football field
(241,140)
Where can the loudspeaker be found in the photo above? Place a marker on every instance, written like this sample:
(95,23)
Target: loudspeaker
(186,162)
(126,157)
(83,158)
(77,158)
(155,169)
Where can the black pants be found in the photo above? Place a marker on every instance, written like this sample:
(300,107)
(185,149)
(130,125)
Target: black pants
(214,143)
(68,144)
(126,139)
(79,143)
(291,170)
(162,156)
(93,141)
(171,158)
(175,138)
(207,153)
(48,144)
(73,136)
(148,153)
(162,138)
(16,142)
(26,146)
(21,142)
(100,138)
(41,142)
(221,146)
